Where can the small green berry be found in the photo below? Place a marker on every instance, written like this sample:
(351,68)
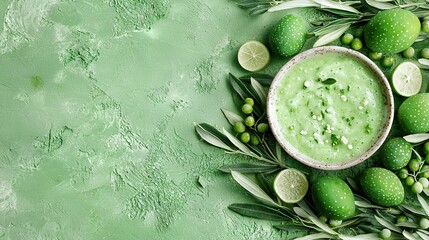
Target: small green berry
(425,26)
(414,165)
(239,127)
(409,181)
(417,188)
(347,38)
(262,127)
(424,182)
(424,171)
(375,55)
(424,223)
(409,52)
(249,121)
(335,223)
(357,44)
(387,62)
(247,108)
(427,159)
(401,218)
(425,53)
(403,173)
(254,140)
(426,148)
(385,233)
(323,218)
(249,101)
(245,137)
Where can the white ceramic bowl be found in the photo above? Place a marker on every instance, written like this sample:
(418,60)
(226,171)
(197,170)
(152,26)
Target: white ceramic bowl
(276,127)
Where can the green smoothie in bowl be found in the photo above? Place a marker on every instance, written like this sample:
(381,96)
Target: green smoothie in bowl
(330,107)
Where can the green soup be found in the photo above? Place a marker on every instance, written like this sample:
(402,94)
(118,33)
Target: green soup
(330,107)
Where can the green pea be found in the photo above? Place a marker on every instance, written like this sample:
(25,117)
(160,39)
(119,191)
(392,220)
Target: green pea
(249,101)
(245,137)
(262,127)
(424,223)
(247,108)
(426,148)
(403,173)
(254,140)
(249,121)
(401,218)
(357,44)
(385,233)
(409,52)
(424,171)
(425,26)
(409,181)
(347,38)
(414,165)
(425,53)
(387,62)
(375,55)
(323,218)
(239,127)
(417,188)
(335,223)
(424,182)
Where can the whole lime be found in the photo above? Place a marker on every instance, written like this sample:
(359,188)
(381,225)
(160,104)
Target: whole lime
(382,186)
(396,153)
(392,31)
(333,198)
(288,36)
(413,114)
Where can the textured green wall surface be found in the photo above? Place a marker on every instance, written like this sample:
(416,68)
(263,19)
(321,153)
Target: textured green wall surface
(98,101)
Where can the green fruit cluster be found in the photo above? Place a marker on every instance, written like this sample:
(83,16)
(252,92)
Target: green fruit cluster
(250,129)
(416,173)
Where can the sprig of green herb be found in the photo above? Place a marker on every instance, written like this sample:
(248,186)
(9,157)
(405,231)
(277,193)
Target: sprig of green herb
(268,151)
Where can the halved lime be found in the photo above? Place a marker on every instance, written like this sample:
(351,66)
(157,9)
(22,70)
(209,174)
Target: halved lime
(407,79)
(290,185)
(253,56)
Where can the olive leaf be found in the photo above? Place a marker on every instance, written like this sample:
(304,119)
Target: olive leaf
(417,138)
(315,220)
(294,4)
(258,10)
(249,168)
(263,79)
(279,151)
(367,236)
(367,205)
(413,209)
(408,235)
(407,225)
(265,185)
(347,223)
(232,117)
(387,224)
(252,188)
(332,36)
(292,227)
(259,90)
(422,235)
(336,5)
(212,136)
(315,236)
(424,61)
(258,211)
(380,5)
(423,203)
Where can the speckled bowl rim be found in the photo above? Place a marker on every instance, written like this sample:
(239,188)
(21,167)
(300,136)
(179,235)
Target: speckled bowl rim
(276,128)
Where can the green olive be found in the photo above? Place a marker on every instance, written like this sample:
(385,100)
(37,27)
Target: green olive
(247,108)
(249,121)
(414,165)
(245,137)
(357,44)
(387,61)
(375,55)
(409,52)
(403,173)
(249,101)
(239,127)
(262,127)
(347,38)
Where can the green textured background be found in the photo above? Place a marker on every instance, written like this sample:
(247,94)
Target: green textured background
(98,101)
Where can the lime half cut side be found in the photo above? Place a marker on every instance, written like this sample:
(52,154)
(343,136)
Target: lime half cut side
(290,185)
(407,79)
(253,56)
